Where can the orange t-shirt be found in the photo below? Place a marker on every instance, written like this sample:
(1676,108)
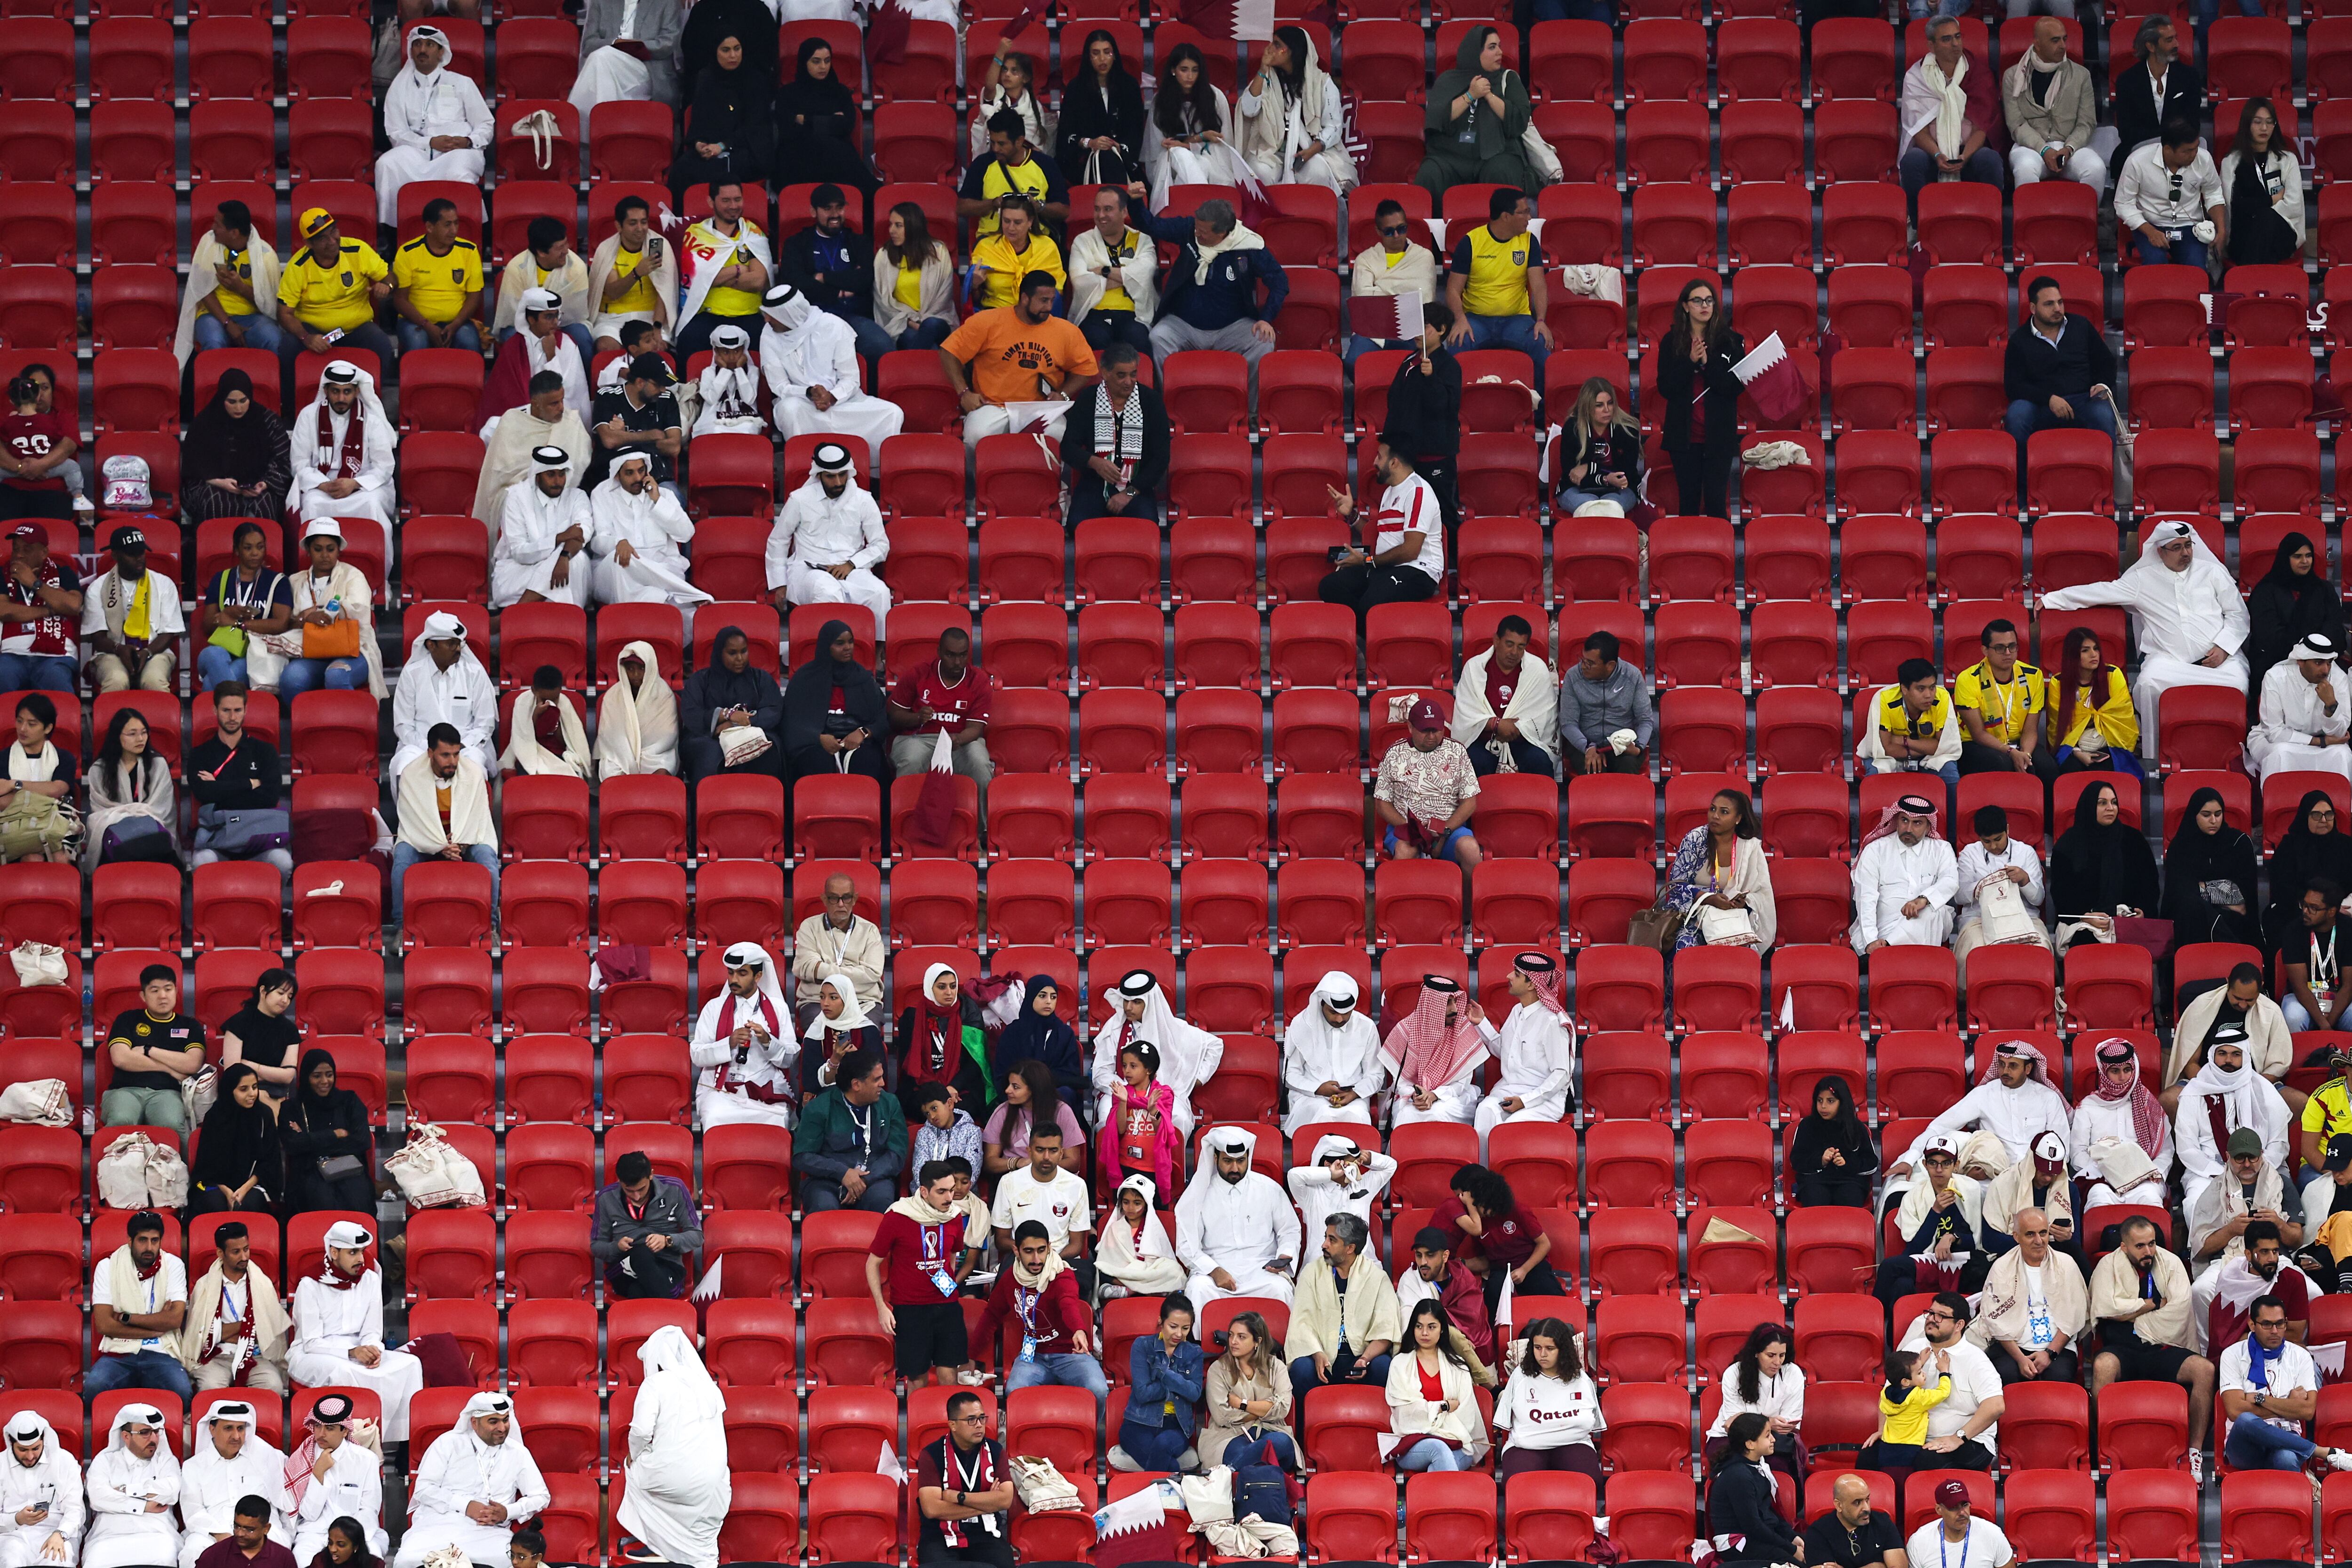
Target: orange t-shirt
(1007,354)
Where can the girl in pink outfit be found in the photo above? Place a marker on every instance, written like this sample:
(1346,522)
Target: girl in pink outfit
(1140,1135)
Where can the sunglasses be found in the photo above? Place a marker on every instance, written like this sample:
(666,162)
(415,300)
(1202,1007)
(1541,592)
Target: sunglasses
(1393,232)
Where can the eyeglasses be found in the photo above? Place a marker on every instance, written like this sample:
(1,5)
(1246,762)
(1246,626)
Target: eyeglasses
(981,1417)
(1707,300)
(1396,233)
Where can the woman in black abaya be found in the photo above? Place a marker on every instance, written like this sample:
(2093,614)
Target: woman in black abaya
(2292,598)
(1099,139)
(2208,877)
(817,124)
(834,719)
(2102,863)
(727,135)
(2314,846)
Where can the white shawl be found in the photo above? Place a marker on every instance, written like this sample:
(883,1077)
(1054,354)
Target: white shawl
(636,731)
(524,753)
(1535,703)
(1090,267)
(1920,1196)
(420,810)
(510,439)
(663,279)
(569,283)
(1951,118)
(937,291)
(711,242)
(201,281)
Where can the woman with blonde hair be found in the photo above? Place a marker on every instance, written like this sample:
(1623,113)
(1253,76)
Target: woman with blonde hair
(1600,452)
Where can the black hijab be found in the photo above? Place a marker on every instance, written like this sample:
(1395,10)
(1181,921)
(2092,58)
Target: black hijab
(2097,868)
(239,1141)
(2195,857)
(826,109)
(1842,1131)
(732,106)
(316,1112)
(2284,606)
(1029,1037)
(221,446)
(808,698)
(2303,856)
(1093,107)
(709,21)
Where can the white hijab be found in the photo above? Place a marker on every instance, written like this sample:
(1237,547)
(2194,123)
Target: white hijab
(853,1013)
(636,731)
(1120,1240)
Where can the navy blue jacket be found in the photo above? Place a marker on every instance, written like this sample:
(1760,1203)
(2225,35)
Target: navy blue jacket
(1231,293)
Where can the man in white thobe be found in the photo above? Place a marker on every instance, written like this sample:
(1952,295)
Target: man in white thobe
(729,388)
(828,539)
(638,528)
(809,359)
(443,683)
(1331,1058)
(1236,1230)
(675,1500)
(339,1331)
(2192,622)
(745,1046)
(2226,1094)
(331,1476)
(2307,725)
(343,450)
(543,530)
(1340,1176)
(132,1484)
(2014,1101)
(436,121)
(1535,1049)
(2121,1114)
(1904,883)
(1187,1055)
(476,1483)
(40,1497)
(229,1462)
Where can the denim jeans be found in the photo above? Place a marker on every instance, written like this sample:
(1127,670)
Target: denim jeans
(36,673)
(2253,1443)
(308,675)
(2187,250)
(1064,1371)
(141,1369)
(260,332)
(1510,332)
(873,342)
(412,337)
(2025,418)
(1431,1454)
(215,664)
(1371,1373)
(1153,1448)
(406,855)
(927,334)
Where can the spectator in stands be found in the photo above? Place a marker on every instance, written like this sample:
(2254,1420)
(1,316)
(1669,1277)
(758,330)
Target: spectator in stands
(947,695)
(2057,373)
(2158,87)
(2270,1391)
(2313,847)
(2000,701)
(1100,133)
(1702,395)
(77,467)
(2304,725)
(334,284)
(1549,1409)
(1994,853)
(2325,1112)
(2122,1139)
(1962,1430)
(40,609)
(133,1482)
(729,388)
(2292,600)
(1495,284)
(1026,1086)
(1403,558)
(632,275)
(542,345)
(544,527)
(1424,412)
(639,526)
(2261,179)
(443,683)
(229,1467)
(1249,1399)
(944,1037)
(636,722)
(1500,1240)
(1980,1542)
(817,124)
(1764,1377)
(2092,721)
(676,1499)
(914,281)
(1184,138)
(726,267)
(1115,443)
(546,261)
(2226,1095)
(1599,455)
(1056,1338)
(443,803)
(1392,266)
(1601,700)
(238,1165)
(1535,1049)
(1479,112)
(1916,729)
(1140,1121)
(1743,1519)
(1344,1320)
(2208,886)
(1211,297)
(1290,132)
(1012,167)
(1832,1157)
(1950,110)
(1235,1228)
(809,359)
(1009,80)
(2170,198)
(330,1148)
(732,135)
(2255,1267)
(35,454)
(831,266)
(628,52)
(2311,970)
(1426,792)
(645,1230)
(1432,1400)
(837,1028)
(477,1482)
(1938,1221)
(745,1046)
(246,599)
(544,419)
(1022,353)
(2035,1307)
(233,461)
(547,736)
(1903,880)
(230,299)
(642,419)
(2037,1182)
(333,611)
(965,1522)
(1340,1176)
(435,310)
(837,940)
(39,783)
(726,696)
(40,1480)
(2328,1195)
(1435,1273)
(1135,1257)
(1720,879)
(2140,1303)
(851,1142)
(139,1301)
(1055,1195)
(152,1049)
(235,1334)
(834,716)
(2101,864)
(1188,1056)
(920,1257)
(264,1035)
(1852,1534)
(2050,109)
(343,462)
(437,122)
(337,1490)
(1331,1058)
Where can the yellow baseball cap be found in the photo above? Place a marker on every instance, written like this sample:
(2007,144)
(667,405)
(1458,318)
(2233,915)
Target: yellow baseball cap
(314,220)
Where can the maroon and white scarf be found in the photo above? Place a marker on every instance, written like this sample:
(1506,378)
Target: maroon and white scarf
(764,1012)
(979,1476)
(353,452)
(51,636)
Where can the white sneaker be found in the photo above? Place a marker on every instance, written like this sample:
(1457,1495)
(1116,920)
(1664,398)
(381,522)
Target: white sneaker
(1118,1460)
(1114,1291)
(972,1378)
(2196,1466)
(2339,1459)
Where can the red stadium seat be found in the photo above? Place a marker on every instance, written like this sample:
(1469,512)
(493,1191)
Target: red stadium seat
(2147,1429)
(2153,1512)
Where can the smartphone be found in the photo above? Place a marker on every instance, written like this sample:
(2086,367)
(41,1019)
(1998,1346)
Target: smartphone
(1336,552)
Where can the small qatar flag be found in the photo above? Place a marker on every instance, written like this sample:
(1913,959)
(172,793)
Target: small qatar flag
(933,817)
(1771,379)
(1250,21)
(888,27)
(1388,318)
